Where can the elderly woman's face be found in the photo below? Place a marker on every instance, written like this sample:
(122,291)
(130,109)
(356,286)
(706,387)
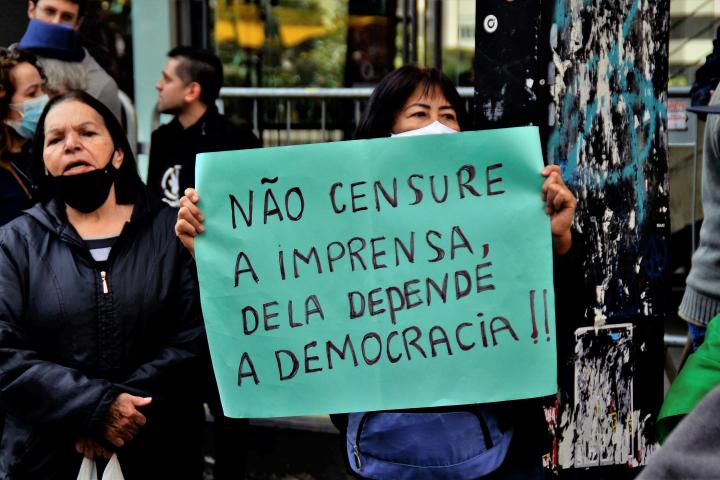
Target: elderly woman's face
(77,141)
(28,84)
(420,110)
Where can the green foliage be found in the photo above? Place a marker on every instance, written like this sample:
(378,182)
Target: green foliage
(317,62)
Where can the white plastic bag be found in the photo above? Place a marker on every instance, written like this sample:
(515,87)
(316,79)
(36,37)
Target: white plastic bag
(88,470)
(113,470)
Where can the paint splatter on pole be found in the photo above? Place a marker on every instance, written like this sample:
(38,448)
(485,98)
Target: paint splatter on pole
(593,75)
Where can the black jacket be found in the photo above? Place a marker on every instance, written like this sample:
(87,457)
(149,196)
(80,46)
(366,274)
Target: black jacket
(68,349)
(172,151)
(17,191)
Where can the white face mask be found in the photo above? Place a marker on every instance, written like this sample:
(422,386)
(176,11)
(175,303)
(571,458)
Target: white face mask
(435,128)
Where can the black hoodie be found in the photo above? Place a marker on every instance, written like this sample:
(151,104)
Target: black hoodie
(173,148)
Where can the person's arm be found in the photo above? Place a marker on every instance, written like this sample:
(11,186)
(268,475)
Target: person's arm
(560,206)
(690,451)
(177,358)
(32,388)
(44,392)
(189,220)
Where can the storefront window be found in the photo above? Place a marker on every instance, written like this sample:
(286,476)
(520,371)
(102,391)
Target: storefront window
(288,43)
(337,43)
(693,25)
(333,43)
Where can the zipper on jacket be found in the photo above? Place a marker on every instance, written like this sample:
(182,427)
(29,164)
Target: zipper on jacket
(103,277)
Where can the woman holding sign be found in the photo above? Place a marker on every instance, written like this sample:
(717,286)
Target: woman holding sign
(465,442)
(99,318)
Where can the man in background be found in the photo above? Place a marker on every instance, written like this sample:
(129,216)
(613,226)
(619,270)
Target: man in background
(188,88)
(190,84)
(70,13)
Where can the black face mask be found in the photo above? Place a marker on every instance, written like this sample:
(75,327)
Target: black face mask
(85,192)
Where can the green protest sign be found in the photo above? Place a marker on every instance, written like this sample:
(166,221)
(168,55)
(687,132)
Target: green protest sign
(377,274)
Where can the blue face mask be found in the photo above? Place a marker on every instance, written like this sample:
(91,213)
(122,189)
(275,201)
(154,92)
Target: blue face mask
(30,111)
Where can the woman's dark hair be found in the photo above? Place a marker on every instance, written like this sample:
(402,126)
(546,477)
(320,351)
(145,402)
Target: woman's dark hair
(127,180)
(390,95)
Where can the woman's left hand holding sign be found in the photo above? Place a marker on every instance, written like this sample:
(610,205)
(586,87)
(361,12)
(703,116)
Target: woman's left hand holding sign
(189,221)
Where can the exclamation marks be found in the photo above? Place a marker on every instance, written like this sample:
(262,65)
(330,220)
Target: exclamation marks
(547,321)
(534,335)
